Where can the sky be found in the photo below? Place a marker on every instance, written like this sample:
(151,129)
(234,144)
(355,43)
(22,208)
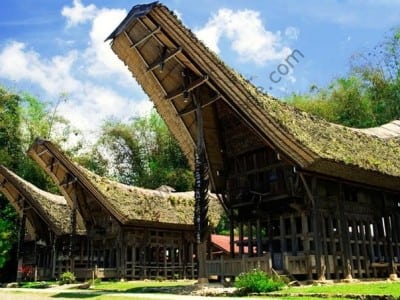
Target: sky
(55,50)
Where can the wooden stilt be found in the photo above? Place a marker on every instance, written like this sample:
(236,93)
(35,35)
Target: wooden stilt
(232,237)
(326,253)
(258,237)
(344,237)
(356,244)
(241,250)
(250,239)
(293,233)
(366,259)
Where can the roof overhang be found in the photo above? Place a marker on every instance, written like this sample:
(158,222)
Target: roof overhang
(162,54)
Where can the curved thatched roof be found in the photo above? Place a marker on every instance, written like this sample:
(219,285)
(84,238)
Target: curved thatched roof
(310,143)
(128,204)
(51,209)
(140,204)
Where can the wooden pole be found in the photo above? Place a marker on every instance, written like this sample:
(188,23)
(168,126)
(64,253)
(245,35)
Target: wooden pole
(73,231)
(344,236)
(258,237)
(201,187)
(232,236)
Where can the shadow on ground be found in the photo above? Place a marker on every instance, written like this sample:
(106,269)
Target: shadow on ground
(76,295)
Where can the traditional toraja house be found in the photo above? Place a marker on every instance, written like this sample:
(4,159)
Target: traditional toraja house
(44,247)
(132,232)
(313,198)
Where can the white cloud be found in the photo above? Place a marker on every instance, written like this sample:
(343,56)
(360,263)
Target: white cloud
(88,108)
(78,13)
(292,32)
(247,34)
(19,63)
(100,59)
(90,77)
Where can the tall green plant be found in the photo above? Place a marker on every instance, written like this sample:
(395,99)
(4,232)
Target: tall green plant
(22,118)
(368,96)
(144,153)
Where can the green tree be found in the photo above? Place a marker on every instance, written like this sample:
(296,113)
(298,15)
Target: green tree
(22,119)
(10,155)
(144,153)
(368,96)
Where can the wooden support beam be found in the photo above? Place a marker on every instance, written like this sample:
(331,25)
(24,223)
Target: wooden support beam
(52,164)
(367,260)
(325,247)
(396,227)
(163,60)
(241,252)
(249,239)
(193,85)
(148,30)
(389,235)
(293,233)
(308,190)
(191,108)
(67,181)
(43,152)
(282,235)
(371,236)
(332,239)
(232,235)
(356,244)
(344,236)
(259,238)
(316,224)
(154,76)
(143,39)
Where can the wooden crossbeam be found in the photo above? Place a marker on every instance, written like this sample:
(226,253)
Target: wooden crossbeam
(192,109)
(163,60)
(67,181)
(152,33)
(146,64)
(52,164)
(43,152)
(189,88)
(148,29)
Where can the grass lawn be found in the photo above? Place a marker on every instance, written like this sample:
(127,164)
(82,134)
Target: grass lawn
(140,286)
(364,288)
(168,290)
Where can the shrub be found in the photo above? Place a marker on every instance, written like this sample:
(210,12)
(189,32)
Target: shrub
(257,281)
(67,278)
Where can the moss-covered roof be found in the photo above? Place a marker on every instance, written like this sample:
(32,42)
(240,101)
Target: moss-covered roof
(140,204)
(129,205)
(309,142)
(331,141)
(53,209)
